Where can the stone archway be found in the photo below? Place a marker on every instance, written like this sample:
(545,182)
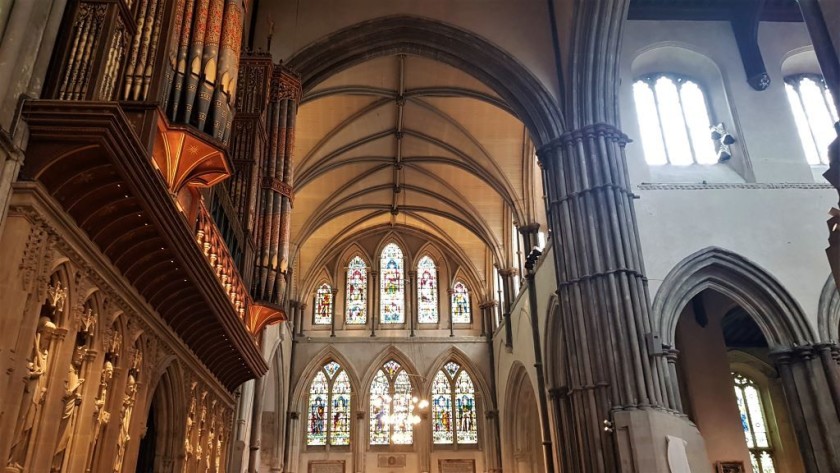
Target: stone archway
(456,47)
(522,449)
(161,448)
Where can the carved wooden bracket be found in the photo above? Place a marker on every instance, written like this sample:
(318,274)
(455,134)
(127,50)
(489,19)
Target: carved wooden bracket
(262,315)
(745,20)
(184,158)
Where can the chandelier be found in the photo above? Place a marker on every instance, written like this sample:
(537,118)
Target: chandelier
(409,418)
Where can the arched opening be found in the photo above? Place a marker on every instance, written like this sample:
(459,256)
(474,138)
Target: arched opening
(729,388)
(526,453)
(162,442)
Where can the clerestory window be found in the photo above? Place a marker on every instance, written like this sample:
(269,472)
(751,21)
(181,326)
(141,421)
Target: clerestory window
(815,114)
(674,121)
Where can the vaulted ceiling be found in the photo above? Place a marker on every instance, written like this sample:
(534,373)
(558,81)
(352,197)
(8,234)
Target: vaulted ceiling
(408,141)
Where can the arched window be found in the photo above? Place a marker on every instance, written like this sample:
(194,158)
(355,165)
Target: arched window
(754,422)
(356,303)
(323,305)
(390,399)
(427,291)
(329,407)
(460,304)
(674,121)
(392,287)
(814,113)
(454,418)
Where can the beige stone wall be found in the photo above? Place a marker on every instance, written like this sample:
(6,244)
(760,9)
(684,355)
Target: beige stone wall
(84,358)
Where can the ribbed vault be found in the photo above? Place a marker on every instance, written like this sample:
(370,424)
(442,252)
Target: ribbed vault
(405,140)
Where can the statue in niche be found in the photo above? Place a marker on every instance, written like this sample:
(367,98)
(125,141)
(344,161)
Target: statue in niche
(190,421)
(218,452)
(73,386)
(202,420)
(211,435)
(125,420)
(34,391)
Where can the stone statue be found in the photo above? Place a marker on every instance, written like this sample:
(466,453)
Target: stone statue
(72,399)
(34,391)
(102,416)
(125,421)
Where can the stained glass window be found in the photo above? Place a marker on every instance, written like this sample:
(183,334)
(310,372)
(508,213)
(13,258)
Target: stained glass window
(392,305)
(323,305)
(674,121)
(814,113)
(460,304)
(390,399)
(454,418)
(356,306)
(427,291)
(329,407)
(754,423)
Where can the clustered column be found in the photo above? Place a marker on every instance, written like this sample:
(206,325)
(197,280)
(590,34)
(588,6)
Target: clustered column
(811,381)
(604,302)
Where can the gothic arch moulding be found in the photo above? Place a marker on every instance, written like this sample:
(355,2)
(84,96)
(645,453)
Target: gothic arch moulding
(777,314)
(392,353)
(458,356)
(300,394)
(464,50)
(828,314)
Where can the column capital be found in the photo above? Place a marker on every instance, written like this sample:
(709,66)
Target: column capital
(572,137)
(530,228)
(508,272)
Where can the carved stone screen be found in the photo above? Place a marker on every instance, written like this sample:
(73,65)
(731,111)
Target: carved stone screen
(456,466)
(332,466)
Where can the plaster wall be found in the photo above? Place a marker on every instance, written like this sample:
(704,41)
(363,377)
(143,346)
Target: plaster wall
(767,203)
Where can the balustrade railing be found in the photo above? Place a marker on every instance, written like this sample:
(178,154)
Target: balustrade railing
(212,244)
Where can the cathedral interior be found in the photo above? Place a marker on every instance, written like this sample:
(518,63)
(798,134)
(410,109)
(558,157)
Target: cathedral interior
(441,236)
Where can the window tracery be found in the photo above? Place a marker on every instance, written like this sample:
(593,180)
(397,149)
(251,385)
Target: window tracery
(328,414)
(814,113)
(390,399)
(392,287)
(356,298)
(754,423)
(674,121)
(454,417)
(323,305)
(427,291)
(460,304)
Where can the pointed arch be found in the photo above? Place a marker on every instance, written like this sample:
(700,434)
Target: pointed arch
(300,391)
(356,289)
(392,284)
(165,417)
(828,313)
(455,354)
(392,381)
(777,314)
(388,353)
(428,291)
(520,416)
(525,94)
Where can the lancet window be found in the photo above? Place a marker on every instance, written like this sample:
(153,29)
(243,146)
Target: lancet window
(427,291)
(754,423)
(356,294)
(460,304)
(454,417)
(674,121)
(323,305)
(328,416)
(390,411)
(815,114)
(392,287)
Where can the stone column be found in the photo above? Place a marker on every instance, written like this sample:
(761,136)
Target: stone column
(301,315)
(373,291)
(507,288)
(276,190)
(411,305)
(451,315)
(529,236)
(493,445)
(809,376)
(294,305)
(671,355)
(332,313)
